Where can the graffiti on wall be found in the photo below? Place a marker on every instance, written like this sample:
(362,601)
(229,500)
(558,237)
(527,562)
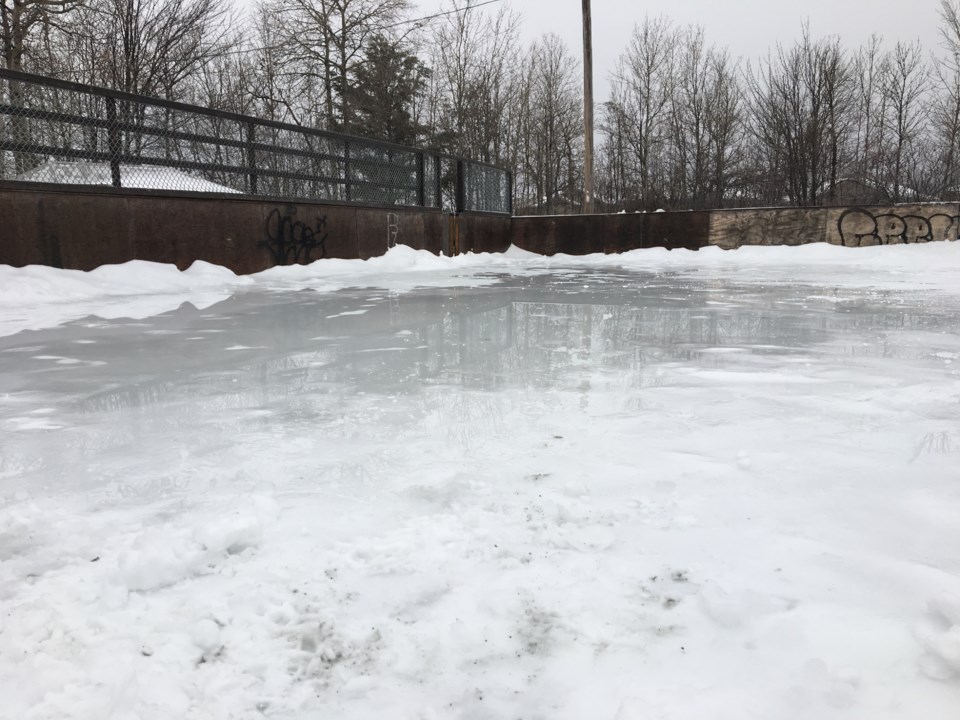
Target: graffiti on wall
(858,226)
(292,241)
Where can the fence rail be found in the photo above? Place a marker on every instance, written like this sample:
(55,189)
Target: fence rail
(57,131)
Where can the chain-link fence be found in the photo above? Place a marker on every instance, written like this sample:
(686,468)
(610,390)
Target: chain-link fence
(54,131)
(486,188)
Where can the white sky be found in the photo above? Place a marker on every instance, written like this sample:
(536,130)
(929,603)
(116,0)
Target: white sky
(747,27)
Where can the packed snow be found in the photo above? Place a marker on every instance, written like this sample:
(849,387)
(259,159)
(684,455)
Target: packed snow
(654,486)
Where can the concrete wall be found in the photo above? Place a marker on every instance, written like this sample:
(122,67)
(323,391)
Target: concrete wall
(582,234)
(81,230)
(854,227)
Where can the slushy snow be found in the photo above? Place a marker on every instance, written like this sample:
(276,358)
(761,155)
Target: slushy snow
(654,486)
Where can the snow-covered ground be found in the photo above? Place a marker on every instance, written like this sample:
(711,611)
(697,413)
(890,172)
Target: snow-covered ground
(657,486)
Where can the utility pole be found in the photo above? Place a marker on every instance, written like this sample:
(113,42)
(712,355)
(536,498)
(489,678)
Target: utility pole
(587,109)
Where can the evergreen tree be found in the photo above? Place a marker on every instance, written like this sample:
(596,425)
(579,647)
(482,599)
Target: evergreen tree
(386,88)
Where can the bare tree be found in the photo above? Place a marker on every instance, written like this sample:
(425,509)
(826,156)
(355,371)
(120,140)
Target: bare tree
(151,47)
(613,178)
(19,20)
(705,121)
(276,82)
(641,100)
(325,40)
(724,124)
(838,90)
(474,58)
(903,86)
(689,108)
(868,68)
(553,142)
(946,112)
(686,124)
(798,104)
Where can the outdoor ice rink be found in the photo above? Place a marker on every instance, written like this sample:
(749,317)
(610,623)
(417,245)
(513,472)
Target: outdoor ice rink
(657,486)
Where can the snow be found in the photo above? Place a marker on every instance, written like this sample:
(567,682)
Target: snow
(150,177)
(656,486)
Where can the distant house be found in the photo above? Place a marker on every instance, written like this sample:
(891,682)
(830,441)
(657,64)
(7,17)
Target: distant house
(557,205)
(148,177)
(857,191)
(951,194)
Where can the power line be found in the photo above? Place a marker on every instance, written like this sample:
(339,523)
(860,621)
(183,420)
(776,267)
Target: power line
(443,14)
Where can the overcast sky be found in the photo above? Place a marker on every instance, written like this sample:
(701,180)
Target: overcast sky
(747,27)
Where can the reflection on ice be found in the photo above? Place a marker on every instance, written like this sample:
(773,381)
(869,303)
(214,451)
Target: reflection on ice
(262,361)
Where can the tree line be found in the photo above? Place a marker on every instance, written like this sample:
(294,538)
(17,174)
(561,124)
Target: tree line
(687,125)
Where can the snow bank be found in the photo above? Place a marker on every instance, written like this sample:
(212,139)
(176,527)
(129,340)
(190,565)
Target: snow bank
(38,284)
(401,268)
(35,297)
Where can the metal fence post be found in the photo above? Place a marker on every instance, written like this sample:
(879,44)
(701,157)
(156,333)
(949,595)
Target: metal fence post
(421,179)
(347,189)
(113,141)
(252,157)
(461,200)
(509,192)
(438,181)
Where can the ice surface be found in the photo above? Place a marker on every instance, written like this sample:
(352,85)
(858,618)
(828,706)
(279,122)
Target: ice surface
(657,486)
